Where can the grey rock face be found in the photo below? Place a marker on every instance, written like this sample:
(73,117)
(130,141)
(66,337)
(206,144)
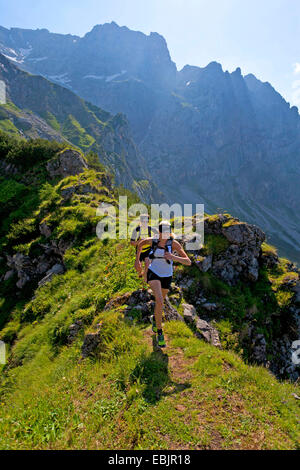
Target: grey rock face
(204,329)
(207,332)
(189,313)
(170,313)
(205,263)
(243,234)
(69,162)
(24,267)
(240,261)
(56,269)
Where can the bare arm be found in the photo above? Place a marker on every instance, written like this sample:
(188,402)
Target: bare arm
(182,257)
(141,243)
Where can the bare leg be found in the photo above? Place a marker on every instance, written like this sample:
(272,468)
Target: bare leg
(147,263)
(164,293)
(159,302)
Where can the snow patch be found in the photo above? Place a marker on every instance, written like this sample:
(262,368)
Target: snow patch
(38,59)
(112,77)
(96,77)
(107,78)
(10,58)
(63,78)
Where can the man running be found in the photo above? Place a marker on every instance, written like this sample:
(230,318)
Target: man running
(142,231)
(160,270)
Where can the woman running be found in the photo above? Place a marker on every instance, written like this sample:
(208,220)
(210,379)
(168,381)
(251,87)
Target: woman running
(160,271)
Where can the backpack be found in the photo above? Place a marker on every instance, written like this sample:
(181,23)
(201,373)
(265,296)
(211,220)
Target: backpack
(155,243)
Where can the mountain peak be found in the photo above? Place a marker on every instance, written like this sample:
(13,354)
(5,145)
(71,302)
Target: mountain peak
(214,66)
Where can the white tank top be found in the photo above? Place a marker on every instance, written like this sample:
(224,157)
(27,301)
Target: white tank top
(159,265)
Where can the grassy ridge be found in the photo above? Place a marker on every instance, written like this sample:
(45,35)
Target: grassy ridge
(128,395)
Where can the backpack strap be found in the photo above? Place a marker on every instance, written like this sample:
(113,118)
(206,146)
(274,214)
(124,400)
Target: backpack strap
(138,230)
(169,245)
(155,242)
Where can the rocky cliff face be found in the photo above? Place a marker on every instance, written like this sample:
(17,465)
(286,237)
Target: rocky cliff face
(207,135)
(38,108)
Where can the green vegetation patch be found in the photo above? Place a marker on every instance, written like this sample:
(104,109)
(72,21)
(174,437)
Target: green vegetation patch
(74,132)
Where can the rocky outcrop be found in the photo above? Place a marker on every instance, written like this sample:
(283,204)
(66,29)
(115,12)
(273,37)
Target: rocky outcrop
(204,263)
(170,313)
(240,261)
(56,269)
(203,329)
(68,162)
(24,267)
(91,342)
(34,270)
(142,301)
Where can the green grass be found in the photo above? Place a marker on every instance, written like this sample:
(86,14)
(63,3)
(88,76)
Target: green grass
(131,396)
(75,133)
(6,125)
(52,121)
(128,395)
(215,244)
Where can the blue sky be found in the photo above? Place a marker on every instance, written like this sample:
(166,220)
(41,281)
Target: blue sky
(260,36)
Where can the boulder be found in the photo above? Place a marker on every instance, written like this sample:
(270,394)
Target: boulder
(209,306)
(56,269)
(68,162)
(189,313)
(24,267)
(170,312)
(204,330)
(132,299)
(213,225)
(90,343)
(242,233)
(204,263)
